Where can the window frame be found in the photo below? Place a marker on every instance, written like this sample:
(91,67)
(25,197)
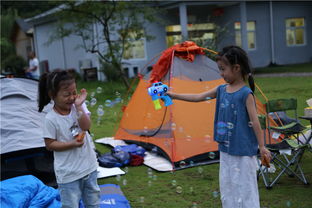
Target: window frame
(144,48)
(294,30)
(254,31)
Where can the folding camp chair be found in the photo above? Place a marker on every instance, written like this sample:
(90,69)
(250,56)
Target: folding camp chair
(287,154)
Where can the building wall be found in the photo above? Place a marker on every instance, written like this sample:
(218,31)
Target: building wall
(64,53)
(292,54)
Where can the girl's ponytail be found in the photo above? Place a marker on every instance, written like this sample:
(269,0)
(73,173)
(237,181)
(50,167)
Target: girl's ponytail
(43,94)
(251,82)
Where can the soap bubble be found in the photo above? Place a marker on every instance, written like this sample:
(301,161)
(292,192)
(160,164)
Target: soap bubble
(250,123)
(108,103)
(191,163)
(92,94)
(118,177)
(141,199)
(200,170)
(117,94)
(188,138)
(87,102)
(154,150)
(93,102)
(99,90)
(230,125)
(182,164)
(126,169)
(100,106)
(118,100)
(207,138)
(288,204)
(194,205)
(215,194)
(180,129)
(124,182)
(211,155)
(100,112)
(179,189)
(155,177)
(173,126)
(149,183)
(173,182)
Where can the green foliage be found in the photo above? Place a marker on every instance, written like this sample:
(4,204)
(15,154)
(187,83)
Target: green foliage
(14,64)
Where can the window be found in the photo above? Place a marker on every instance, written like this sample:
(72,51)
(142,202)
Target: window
(195,32)
(295,29)
(135,49)
(251,34)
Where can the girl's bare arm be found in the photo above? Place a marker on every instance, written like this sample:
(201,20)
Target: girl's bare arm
(194,97)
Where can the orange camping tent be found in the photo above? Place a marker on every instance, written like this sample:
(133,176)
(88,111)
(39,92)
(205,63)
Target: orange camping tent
(182,132)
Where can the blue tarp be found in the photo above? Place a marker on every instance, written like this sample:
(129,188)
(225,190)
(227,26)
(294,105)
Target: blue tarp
(28,191)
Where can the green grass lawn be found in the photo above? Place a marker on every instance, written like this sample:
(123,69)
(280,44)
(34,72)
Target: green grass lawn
(198,186)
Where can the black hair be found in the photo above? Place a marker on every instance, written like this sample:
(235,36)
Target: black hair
(50,84)
(236,55)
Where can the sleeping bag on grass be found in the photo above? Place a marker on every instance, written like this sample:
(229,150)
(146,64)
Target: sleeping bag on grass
(28,191)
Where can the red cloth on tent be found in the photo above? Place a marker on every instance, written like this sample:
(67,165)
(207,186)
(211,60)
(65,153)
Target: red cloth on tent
(186,50)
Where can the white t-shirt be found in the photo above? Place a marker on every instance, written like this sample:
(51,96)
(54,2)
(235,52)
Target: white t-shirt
(73,164)
(32,63)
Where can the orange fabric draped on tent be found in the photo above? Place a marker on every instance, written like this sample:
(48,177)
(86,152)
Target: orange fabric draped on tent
(186,50)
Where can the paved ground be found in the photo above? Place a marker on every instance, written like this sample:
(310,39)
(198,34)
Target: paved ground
(287,74)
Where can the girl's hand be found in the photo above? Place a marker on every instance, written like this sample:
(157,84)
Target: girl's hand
(81,97)
(265,156)
(77,143)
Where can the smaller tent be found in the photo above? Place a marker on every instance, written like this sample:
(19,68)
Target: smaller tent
(22,147)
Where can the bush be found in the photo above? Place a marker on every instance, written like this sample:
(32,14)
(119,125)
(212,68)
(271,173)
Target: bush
(14,64)
(110,72)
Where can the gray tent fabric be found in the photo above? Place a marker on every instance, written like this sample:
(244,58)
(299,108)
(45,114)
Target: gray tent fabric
(21,123)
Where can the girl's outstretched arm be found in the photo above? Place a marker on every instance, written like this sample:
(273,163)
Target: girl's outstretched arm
(253,117)
(194,97)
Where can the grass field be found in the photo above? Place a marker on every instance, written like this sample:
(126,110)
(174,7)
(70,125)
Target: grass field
(197,187)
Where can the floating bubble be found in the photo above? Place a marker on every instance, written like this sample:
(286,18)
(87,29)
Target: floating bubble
(118,100)
(208,98)
(173,126)
(191,163)
(149,115)
(173,182)
(108,103)
(100,112)
(145,129)
(194,205)
(200,170)
(149,183)
(117,177)
(237,169)
(99,90)
(207,138)
(117,94)
(221,128)
(180,129)
(98,122)
(191,189)
(215,194)
(87,102)
(92,135)
(188,138)
(126,169)
(154,150)
(93,102)
(288,204)
(212,155)
(230,133)
(179,189)
(124,182)
(235,112)
(155,177)
(92,94)
(250,123)
(232,105)
(141,199)
(100,106)
(182,164)
(230,125)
